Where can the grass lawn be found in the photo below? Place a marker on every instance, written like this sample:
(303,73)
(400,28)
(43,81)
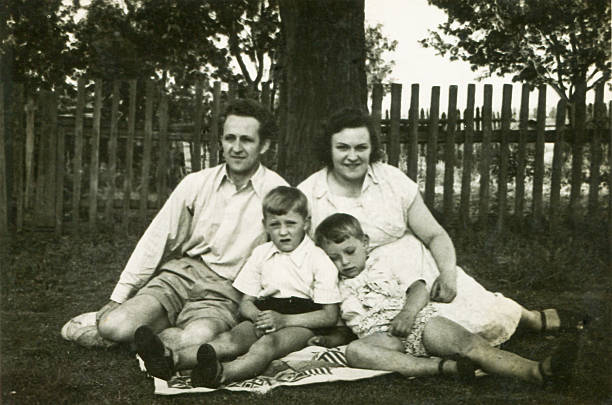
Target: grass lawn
(45,280)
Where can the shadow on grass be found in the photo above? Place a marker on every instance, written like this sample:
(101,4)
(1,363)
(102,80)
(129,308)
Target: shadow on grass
(45,280)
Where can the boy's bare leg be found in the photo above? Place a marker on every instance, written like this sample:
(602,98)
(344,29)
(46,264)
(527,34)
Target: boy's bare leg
(227,344)
(119,324)
(445,338)
(267,348)
(381,351)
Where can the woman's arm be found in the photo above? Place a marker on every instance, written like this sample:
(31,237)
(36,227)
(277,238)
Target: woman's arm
(425,227)
(416,298)
(271,321)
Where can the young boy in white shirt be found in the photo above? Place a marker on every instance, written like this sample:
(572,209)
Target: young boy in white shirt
(289,287)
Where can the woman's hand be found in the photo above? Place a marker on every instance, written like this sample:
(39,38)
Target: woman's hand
(401,324)
(270,321)
(444,289)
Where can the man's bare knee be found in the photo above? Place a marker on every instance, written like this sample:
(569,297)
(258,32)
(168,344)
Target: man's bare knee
(265,347)
(354,352)
(119,324)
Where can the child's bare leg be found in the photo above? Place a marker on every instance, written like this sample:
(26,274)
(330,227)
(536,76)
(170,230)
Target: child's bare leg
(267,348)
(381,351)
(228,345)
(445,338)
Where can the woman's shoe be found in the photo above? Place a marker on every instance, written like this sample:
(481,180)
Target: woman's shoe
(569,321)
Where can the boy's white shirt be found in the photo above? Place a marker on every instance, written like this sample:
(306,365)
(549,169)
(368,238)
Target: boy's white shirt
(306,272)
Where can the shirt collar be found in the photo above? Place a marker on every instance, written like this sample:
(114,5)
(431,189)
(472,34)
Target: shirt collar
(256,180)
(322,188)
(297,255)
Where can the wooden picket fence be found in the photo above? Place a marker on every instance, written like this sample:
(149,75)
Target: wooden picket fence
(51,166)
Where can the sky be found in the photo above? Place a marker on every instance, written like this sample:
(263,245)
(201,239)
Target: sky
(408,21)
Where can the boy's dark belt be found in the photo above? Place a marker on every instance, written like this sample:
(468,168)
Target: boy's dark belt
(287,306)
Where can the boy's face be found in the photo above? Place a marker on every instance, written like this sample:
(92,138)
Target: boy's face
(286,231)
(349,256)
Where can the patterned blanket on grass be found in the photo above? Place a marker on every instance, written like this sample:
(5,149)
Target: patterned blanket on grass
(310,365)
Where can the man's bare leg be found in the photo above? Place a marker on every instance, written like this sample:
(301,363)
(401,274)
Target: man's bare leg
(120,324)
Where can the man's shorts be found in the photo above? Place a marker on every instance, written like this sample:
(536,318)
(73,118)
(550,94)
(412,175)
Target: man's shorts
(189,290)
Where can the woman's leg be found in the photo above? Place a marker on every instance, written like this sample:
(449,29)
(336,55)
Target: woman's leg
(267,348)
(445,338)
(381,351)
(532,320)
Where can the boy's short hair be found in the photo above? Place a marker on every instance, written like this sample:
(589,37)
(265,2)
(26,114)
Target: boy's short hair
(246,107)
(337,228)
(282,199)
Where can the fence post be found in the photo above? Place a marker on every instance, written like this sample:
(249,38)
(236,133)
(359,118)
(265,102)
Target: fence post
(393,144)
(18,153)
(555,182)
(432,147)
(449,154)
(198,110)
(578,129)
(112,152)
(59,181)
(146,155)
(538,177)
(377,96)
(95,155)
(162,178)
(485,161)
(519,194)
(468,149)
(4,229)
(78,152)
(213,139)
(29,151)
(599,119)
(129,154)
(610,179)
(413,133)
(502,189)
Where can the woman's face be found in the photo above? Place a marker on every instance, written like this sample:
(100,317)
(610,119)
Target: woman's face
(350,150)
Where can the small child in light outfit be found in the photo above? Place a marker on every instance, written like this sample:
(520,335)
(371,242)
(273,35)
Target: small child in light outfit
(290,288)
(388,308)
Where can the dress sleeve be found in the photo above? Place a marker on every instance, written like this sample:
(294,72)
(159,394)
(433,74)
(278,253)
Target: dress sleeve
(168,230)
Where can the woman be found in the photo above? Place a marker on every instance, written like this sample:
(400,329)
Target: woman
(389,207)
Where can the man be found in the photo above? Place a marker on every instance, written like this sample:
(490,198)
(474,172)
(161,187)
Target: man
(208,227)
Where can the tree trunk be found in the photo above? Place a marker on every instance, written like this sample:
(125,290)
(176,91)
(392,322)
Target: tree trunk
(323,70)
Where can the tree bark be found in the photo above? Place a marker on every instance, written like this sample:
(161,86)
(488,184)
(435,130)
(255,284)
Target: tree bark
(323,70)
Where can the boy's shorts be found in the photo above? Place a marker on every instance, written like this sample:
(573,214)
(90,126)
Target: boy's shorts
(287,306)
(189,290)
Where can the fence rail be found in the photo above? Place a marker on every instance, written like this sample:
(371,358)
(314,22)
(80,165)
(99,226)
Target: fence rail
(111,154)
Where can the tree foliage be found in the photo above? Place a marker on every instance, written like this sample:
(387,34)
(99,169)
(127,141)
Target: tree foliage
(562,43)
(35,35)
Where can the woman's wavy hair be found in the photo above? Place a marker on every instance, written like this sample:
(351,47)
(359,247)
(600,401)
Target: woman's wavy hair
(348,117)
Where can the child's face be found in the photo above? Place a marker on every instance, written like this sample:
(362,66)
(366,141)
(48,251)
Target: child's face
(349,256)
(286,231)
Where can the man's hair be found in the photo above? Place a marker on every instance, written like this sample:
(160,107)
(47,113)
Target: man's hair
(337,228)
(246,107)
(282,199)
(348,117)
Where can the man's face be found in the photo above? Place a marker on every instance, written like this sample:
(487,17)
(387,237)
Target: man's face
(242,146)
(286,231)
